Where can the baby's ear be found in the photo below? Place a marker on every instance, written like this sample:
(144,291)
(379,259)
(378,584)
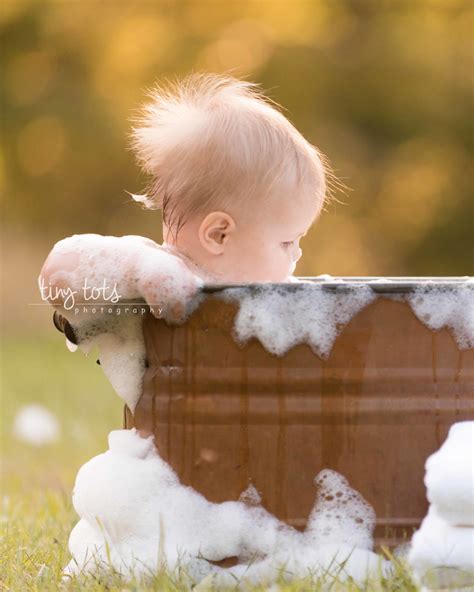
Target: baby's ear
(215,230)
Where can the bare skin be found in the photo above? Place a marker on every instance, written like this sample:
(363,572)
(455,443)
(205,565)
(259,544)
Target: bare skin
(238,248)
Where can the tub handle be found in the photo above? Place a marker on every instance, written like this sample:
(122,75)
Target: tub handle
(64,326)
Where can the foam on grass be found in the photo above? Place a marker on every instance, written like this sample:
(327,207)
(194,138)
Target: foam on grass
(442,552)
(136,516)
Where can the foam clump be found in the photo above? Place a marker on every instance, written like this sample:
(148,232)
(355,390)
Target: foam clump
(449,477)
(36,425)
(340,512)
(442,550)
(122,352)
(135,516)
(453,308)
(131,499)
(120,269)
(337,541)
(105,282)
(250,496)
(327,563)
(305,312)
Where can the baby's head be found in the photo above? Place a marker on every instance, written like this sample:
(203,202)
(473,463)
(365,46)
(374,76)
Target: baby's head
(237,184)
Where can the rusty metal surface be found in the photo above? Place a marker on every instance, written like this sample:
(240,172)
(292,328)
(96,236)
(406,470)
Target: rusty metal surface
(225,416)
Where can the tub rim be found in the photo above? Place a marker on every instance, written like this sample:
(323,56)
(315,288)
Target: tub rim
(394,284)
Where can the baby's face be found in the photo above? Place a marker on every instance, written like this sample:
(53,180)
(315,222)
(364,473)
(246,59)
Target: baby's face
(262,246)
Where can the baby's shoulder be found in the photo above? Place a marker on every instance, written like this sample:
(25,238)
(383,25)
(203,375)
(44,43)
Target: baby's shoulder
(91,241)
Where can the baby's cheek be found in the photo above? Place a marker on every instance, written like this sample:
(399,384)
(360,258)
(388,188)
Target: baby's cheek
(277,262)
(280,267)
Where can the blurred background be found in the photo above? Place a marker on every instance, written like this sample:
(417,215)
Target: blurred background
(383,88)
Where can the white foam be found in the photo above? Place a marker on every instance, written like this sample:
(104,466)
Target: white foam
(134,511)
(36,425)
(450,307)
(121,350)
(442,555)
(251,496)
(326,563)
(283,316)
(136,267)
(340,513)
(449,477)
(442,550)
(124,271)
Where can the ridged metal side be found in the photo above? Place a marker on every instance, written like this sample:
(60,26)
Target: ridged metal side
(225,415)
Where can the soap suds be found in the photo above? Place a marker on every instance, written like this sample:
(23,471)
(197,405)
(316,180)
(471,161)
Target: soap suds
(340,512)
(442,551)
(121,348)
(122,352)
(111,269)
(250,496)
(283,316)
(132,502)
(36,425)
(104,280)
(450,307)
(449,477)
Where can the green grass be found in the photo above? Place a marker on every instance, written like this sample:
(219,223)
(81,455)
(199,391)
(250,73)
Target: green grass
(36,513)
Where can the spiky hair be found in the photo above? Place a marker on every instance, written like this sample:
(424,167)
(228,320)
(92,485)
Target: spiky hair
(213,141)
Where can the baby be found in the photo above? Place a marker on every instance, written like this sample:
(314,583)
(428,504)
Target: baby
(238,187)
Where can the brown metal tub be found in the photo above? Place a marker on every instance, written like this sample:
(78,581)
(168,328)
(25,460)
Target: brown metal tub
(226,415)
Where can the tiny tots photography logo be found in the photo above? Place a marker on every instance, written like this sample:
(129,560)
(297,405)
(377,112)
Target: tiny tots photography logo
(88,294)
(93,299)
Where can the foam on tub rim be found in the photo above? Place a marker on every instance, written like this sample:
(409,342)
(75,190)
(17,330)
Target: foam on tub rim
(125,371)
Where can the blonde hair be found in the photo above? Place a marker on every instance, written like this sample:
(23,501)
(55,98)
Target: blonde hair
(211,140)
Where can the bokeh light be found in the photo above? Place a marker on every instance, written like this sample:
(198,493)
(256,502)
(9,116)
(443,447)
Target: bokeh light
(384,91)
(40,145)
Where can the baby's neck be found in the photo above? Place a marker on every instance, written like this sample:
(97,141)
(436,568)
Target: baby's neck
(204,274)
